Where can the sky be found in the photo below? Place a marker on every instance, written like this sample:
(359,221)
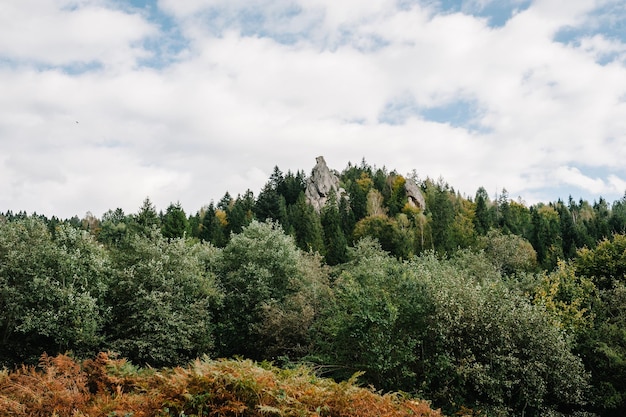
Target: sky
(106,102)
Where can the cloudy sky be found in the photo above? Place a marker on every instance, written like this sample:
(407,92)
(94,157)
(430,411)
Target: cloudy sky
(105,102)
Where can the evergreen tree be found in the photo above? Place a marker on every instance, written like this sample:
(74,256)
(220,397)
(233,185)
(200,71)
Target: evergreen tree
(147,216)
(212,229)
(439,204)
(617,220)
(482,219)
(290,187)
(114,228)
(307,226)
(347,217)
(270,204)
(175,224)
(334,239)
(546,235)
(397,194)
(568,230)
(358,190)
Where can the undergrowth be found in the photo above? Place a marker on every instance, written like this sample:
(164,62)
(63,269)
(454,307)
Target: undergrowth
(107,386)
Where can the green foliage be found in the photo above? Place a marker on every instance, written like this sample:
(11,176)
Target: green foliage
(603,349)
(462,229)
(174,223)
(440,205)
(376,320)
(335,241)
(491,327)
(115,227)
(509,253)
(50,290)
(307,226)
(161,300)
(147,217)
(387,231)
(397,194)
(263,276)
(567,297)
(270,204)
(213,226)
(239,214)
(546,236)
(483,220)
(489,348)
(606,263)
(359,189)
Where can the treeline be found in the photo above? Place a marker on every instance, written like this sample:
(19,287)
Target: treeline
(473,303)
(375,203)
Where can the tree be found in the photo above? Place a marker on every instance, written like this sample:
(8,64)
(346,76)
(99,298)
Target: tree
(606,263)
(568,230)
(114,228)
(568,297)
(290,186)
(347,217)
(240,213)
(388,234)
(359,189)
(307,226)
(263,277)
(270,204)
(462,230)
(509,253)
(174,223)
(546,235)
(50,291)
(603,349)
(147,216)
(489,348)
(376,320)
(439,201)
(617,220)
(375,203)
(483,220)
(397,194)
(335,241)
(162,300)
(213,227)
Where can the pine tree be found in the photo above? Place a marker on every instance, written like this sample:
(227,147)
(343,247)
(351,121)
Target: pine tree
(175,223)
(334,238)
(307,228)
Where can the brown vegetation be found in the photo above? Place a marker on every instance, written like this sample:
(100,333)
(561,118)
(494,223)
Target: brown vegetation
(106,386)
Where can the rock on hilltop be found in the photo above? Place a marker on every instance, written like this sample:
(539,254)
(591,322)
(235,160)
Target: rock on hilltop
(320,184)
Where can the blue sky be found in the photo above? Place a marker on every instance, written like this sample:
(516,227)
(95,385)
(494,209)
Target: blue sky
(106,102)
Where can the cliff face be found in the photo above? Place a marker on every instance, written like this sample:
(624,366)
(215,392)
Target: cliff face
(322,181)
(320,184)
(414,195)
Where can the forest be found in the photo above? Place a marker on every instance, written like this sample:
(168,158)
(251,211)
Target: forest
(483,306)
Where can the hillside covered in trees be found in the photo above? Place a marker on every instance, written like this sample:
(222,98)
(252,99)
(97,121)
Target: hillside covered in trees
(471,302)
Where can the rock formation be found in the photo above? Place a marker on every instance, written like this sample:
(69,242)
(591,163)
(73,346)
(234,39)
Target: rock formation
(320,184)
(413,193)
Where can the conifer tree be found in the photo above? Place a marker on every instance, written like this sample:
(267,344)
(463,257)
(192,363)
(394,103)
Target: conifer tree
(334,238)
(175,223)
(307,227)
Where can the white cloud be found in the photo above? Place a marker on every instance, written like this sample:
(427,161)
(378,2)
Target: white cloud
(54,33)
(236,103)
(573,176)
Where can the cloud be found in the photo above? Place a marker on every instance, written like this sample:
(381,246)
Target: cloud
(254,84)
(59,33)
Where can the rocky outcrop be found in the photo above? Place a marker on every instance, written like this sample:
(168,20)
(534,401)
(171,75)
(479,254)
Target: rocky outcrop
(320,185)
(414,195)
